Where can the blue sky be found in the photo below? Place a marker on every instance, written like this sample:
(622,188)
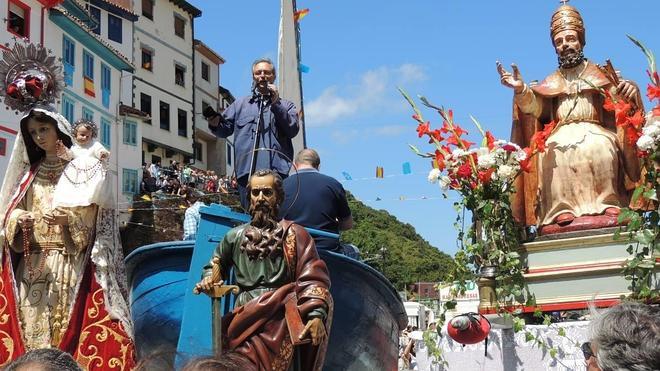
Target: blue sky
(359,51)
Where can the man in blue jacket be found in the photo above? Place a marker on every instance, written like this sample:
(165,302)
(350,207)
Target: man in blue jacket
(279,125)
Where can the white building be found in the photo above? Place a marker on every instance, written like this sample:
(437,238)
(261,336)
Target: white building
(163,84)
(466,303)
(419,315)
(90,39)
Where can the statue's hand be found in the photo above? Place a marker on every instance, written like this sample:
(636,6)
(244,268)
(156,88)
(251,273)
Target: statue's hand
(316,330)
(206,285)
(627,90)
(511,80)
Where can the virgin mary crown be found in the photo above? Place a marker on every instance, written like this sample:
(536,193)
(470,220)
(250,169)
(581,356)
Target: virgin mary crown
(565,18)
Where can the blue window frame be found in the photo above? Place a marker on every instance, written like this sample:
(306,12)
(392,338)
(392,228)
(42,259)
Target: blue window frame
(130,133)
(129,181)
(96,14)
(87,114)
(106,132)
(88,65)
(68,108)
(69,58)
(106,76)
(114,28)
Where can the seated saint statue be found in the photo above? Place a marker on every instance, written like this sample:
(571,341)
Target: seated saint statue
(284,286)
(589,169)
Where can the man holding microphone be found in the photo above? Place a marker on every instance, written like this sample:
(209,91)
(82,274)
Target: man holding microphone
(260,120)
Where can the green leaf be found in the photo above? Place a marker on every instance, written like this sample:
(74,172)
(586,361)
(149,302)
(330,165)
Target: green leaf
(561,332)
(649,55)
(651,195)
(553,352)
(476,123)
(638,192)
(411,102)
(518,324)
(529,336)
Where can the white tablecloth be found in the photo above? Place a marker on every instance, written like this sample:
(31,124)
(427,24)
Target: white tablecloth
(508,351)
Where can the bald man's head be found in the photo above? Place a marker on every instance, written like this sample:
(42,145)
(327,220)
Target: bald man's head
(308,157)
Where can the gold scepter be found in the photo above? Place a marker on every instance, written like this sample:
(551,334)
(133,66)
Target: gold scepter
(218,290)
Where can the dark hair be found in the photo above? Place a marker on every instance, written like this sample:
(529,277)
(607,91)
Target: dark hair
(35,154)
(50,359)
(229,361)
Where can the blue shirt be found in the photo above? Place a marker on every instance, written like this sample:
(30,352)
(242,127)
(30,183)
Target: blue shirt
(280,125)
(320,204)
(191,221)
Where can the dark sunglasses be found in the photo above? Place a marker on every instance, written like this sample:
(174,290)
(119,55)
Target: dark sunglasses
(586,350)
(266,191)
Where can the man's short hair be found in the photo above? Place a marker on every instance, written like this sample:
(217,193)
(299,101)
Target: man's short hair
(308,156)
(265,60)
(48,359)
(627,337)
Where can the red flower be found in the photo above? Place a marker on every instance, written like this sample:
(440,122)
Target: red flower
(467,144)
(464,170)
(632,134)
(636,120)
(485,176)
(435,134)
(642,154)
(423,129)
(509,148)
(490,140)
(439,160)
(473,185)
(417,118)
(525,164)
(653,92)
(656,110)
(459,130)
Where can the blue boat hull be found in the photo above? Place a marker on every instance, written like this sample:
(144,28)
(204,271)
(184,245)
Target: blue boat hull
(367,319)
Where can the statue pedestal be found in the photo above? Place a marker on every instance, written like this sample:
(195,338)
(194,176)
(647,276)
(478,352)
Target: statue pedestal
(568,271)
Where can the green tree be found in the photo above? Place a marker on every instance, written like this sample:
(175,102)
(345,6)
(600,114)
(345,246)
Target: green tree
(394,248)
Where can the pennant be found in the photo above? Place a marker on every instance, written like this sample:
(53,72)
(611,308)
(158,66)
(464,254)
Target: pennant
(346,175)
(303,68)
(377,198)
(379,172)
(402,198)
(406,168)
(300,14)
(89,87)
(146,198)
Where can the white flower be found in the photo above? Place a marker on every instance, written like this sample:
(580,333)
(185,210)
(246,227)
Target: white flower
(505,171)
(520,155)
(486,161)
(458,153)
(434,174)
(444,182)
(645,143)
(652,129)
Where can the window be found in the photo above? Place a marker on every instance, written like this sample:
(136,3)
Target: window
(129,181)
(229,152)
(205,71)
(204,107)
(3,146)
(198,151)
(182,117)
(68,107)
(96,14)
(88,65)
(164,116)
(147,59)
(18,18)
(145,104)
(130,133)
(87,114)
(179,26)
(106,132)
(148,9)
(179,75)
(106,75)
(114,28)
(68,59)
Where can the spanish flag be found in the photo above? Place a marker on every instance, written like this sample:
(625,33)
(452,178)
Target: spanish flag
(300,14)
(89,87)
(379,171)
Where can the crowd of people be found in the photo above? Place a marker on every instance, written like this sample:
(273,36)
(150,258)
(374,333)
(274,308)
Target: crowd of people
(177,179)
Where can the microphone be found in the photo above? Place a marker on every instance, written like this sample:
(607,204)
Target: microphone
(260,90)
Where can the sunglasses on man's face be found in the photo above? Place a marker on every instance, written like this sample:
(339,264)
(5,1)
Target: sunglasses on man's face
(266,191)
(586,350)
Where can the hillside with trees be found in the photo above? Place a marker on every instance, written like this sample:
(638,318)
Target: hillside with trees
(407,258)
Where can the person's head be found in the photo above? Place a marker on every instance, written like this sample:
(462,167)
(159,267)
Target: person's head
(568,36)
(40,135)
(84,131)
(228,361)
(627,337)
(307,158)
(263,72)
(266,195)
(48,359)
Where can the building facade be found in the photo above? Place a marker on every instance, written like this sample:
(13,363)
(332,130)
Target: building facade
(163,84)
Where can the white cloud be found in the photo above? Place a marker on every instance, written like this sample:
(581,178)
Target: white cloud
(344,136)
(368,95)
(391,130)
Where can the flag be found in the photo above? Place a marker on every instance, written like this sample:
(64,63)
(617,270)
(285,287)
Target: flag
(406,168)
(402,198)
(300,14)
(379,171)
(377,198)
(146,198)
(346,175)
(89,87)
(303,68)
